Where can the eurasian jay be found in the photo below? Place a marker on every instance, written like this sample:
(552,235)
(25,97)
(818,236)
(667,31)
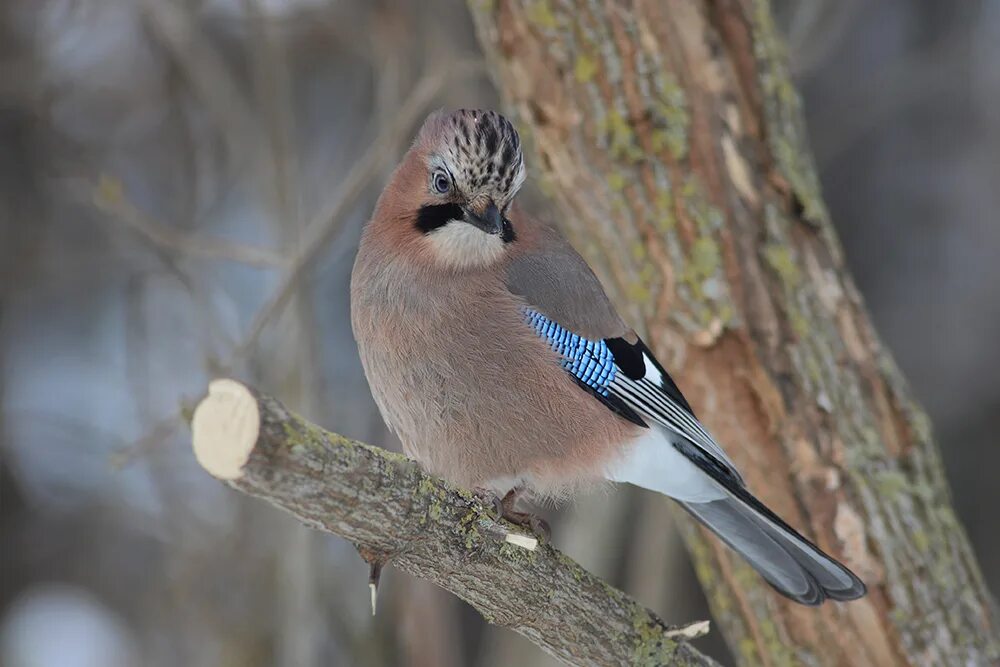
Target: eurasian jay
(494,354)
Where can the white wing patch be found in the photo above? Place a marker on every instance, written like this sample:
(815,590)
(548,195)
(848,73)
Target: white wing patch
(652,372)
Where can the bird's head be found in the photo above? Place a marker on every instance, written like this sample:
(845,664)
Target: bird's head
(460,178)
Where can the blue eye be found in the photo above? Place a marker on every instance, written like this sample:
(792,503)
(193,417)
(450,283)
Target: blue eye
(441,182)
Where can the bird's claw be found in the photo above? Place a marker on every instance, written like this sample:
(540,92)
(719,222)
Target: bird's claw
(538,526)
(491,500)
(504,509)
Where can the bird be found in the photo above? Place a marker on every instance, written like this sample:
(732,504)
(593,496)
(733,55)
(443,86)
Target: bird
(494,354)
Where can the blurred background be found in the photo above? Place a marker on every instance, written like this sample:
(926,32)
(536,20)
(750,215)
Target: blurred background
(182,186)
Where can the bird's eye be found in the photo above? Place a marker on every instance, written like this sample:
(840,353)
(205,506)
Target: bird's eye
(441,182)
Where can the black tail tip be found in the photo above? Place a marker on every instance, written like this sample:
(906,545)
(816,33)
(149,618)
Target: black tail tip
(817,594)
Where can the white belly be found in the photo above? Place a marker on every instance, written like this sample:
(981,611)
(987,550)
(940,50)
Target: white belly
(653,463)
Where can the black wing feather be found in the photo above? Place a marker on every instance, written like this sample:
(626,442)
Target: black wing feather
(668,386)
(612,402)
(628,357)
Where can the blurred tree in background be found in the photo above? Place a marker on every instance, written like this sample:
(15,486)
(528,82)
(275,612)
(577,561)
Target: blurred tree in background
(182,185)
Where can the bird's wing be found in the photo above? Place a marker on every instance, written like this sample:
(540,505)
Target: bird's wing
(552,277)
(566,305)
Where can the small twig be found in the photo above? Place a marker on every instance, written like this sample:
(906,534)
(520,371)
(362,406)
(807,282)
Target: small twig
(107,195)
(393,512)
(156,436)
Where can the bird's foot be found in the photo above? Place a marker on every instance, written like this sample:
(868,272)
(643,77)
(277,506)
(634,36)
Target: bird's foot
(489,499)
(505,508)
(536,524)
(531,522)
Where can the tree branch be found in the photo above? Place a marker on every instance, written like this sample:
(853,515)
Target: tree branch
(385,505)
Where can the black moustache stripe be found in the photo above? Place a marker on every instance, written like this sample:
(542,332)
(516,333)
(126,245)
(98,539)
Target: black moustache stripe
(433,216)
(507,234)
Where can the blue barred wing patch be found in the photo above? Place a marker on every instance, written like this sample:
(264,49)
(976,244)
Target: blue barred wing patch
(589,361)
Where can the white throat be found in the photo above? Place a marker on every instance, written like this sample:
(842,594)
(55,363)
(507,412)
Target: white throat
(460,245)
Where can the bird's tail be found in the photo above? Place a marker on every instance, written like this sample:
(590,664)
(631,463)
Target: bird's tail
(793,565)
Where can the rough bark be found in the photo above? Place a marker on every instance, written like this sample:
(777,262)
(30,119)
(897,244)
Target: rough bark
(670,137)
(389,508)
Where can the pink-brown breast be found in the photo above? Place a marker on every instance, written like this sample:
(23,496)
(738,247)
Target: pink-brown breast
(474,394)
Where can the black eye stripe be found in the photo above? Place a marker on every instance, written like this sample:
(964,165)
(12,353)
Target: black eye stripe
(433,216)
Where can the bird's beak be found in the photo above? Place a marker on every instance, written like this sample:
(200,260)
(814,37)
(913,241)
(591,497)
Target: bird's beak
(490,220)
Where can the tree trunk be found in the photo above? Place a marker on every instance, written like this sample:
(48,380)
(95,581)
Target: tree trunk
(671,138)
